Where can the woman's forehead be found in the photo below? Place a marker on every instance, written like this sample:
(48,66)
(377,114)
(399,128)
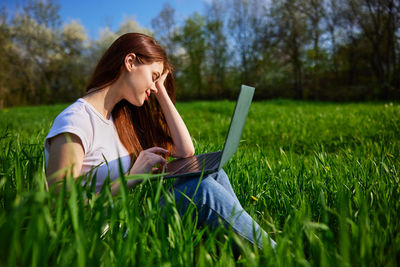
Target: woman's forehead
(158,66)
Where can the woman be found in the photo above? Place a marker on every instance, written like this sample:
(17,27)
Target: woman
(117,121)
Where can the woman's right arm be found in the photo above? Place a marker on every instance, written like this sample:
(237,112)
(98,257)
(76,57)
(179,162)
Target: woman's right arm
(144,163)
(65,155)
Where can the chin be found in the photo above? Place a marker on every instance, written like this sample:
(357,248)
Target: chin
(141,102)
(136,102)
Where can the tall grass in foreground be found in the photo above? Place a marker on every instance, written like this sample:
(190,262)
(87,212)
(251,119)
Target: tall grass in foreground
(321,178)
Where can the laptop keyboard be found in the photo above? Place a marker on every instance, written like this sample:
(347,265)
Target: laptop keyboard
(208,160)
(196,163)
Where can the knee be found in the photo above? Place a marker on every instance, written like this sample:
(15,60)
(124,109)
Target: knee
(206,186)
(221,177)
(220,173)
(205,191)
(212,193)
(195,189)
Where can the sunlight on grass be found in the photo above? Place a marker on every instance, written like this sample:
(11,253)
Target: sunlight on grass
(321,178)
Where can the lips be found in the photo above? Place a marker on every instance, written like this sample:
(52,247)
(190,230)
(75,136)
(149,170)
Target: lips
(147,94)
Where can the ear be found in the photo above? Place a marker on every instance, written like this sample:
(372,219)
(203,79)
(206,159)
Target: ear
(130,62)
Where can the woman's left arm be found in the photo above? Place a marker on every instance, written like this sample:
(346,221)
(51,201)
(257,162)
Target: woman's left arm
(183,145)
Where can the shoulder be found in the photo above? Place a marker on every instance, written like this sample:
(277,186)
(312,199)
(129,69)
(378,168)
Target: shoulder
(75,119)
(74,113)
(77,115)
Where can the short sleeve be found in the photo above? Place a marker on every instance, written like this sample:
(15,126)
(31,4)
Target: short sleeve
(72,121)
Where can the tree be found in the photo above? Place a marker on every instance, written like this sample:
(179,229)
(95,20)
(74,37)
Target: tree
(130,24)
(165,29)
(291,24)
(332,21)
(315,12)
(192,41)
(107,36)
(36,45)
(43,63)
(379,21)
(241,31)
(216,58)
(73,38)
(6,58)
(44,12)
(70,70)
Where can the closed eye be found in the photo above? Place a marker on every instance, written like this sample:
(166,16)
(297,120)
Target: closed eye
(156,76)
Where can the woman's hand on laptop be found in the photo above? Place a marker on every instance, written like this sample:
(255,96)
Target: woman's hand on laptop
(147,159)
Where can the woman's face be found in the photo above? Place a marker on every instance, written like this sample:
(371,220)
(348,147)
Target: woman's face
(141,81)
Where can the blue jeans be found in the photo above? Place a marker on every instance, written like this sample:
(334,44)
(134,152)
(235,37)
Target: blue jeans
(214,200)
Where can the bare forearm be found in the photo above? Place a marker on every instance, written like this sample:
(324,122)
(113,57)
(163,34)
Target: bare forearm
(143,164)
(180,135)
(65,158)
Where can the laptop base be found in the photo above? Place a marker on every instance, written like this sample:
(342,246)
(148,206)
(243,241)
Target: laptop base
(194,165)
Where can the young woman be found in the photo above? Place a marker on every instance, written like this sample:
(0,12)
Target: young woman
(118,121)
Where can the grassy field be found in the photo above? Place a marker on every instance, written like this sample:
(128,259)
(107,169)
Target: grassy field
(321,178)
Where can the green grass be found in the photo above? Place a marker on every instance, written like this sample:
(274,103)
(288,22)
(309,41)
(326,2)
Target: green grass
(325,175)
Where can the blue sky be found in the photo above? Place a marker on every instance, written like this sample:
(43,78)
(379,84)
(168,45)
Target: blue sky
(97,14)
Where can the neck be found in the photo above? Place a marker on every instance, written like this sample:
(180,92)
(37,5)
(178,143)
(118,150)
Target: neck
(104,100)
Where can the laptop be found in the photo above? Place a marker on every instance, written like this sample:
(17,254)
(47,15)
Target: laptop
(214,161)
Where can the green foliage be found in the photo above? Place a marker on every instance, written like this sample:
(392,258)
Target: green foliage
(335,50)
(192,40)
(321,178)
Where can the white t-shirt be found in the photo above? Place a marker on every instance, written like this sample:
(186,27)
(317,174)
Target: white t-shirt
(99,138)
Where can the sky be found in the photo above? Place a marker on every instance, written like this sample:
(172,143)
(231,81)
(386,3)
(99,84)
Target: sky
(97,14)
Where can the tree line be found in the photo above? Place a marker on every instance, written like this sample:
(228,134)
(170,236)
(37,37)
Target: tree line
(336,50)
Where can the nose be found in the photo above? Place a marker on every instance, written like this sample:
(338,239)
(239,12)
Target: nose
(153,88)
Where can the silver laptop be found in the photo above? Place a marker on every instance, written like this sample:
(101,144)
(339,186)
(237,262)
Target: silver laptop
(214,161)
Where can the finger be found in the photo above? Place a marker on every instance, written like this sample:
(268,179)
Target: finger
(162,78)
(157,169)
(160,160)
(157,150)
(153,159)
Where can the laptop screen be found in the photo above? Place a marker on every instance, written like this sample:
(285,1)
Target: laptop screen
(237,124)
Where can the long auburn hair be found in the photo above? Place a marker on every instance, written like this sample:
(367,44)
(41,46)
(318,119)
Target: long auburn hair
(141,127)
